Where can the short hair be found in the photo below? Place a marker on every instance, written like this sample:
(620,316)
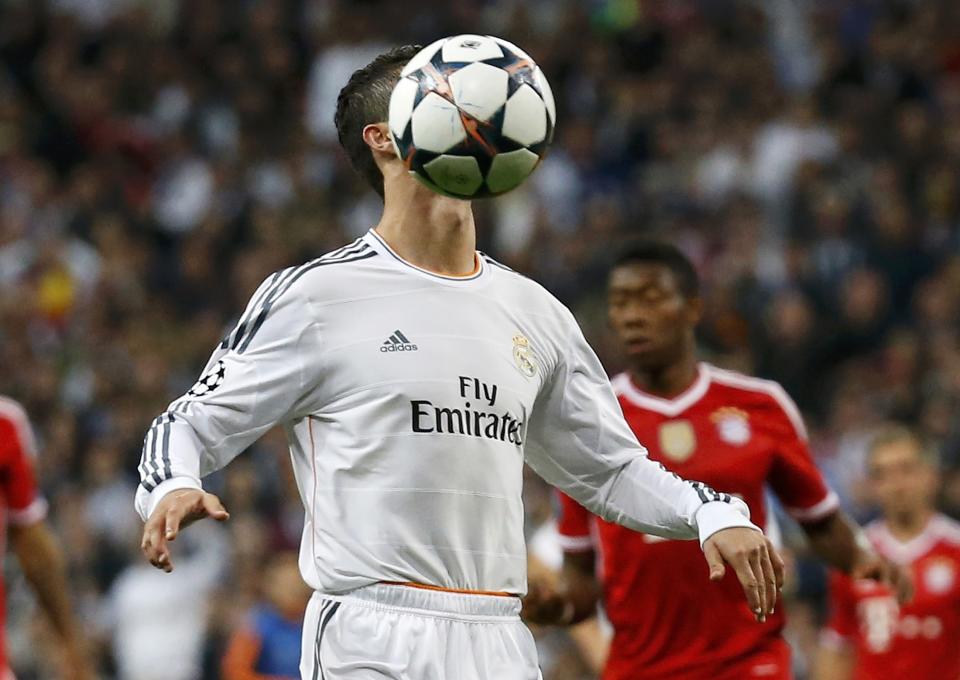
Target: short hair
(892,433)
(365,99)
(657,252)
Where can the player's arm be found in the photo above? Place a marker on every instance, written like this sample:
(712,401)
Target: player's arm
(832,535)
(257,377)
(841,543)
(35,546)
(578,441)
(835,655)
(833,663)
(42,563)
(572,597)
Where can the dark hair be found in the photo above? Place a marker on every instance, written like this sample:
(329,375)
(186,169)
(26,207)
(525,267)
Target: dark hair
(656,252)
(365,99)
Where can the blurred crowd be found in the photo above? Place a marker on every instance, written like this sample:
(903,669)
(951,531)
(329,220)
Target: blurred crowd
(158,159)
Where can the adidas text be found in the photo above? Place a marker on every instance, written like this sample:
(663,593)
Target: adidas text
(398,348)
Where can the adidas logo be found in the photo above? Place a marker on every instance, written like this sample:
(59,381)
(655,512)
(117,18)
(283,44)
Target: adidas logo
(397,342)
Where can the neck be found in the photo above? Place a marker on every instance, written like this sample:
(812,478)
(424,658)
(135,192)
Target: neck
(668,380)
(428,230)
(908,524)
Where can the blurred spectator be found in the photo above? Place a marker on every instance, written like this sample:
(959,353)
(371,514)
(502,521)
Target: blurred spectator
(149,613)
(268,645)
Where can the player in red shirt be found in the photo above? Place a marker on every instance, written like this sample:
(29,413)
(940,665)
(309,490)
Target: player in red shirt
(32,542)
(868,636)
(725,429)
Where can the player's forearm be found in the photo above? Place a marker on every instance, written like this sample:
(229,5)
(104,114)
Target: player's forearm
(833,664)
(44,568)
(837,540)
(645,497)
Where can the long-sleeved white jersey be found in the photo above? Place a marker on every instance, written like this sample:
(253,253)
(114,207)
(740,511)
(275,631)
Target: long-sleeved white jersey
(411,401)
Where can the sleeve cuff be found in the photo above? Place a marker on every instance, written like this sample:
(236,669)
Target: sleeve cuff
(717,516)
(826,507)
(33,513)
(146,501)
(575,543)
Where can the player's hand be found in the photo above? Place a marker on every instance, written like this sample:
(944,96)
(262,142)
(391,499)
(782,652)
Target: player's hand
(545,605)
(76,666)
(870,565)
(176,511)
(757,565)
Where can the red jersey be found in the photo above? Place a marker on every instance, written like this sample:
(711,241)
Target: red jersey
(739,435)
(918,640)
(20,500)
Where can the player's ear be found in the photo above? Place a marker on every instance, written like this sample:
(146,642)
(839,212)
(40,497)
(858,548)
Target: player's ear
(695,309)
(377,137)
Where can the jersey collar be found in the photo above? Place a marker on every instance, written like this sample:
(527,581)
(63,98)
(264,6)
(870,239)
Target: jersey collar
(625,387)
(377,242)
(907,552)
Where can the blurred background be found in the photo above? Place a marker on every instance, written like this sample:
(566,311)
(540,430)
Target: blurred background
(159,158)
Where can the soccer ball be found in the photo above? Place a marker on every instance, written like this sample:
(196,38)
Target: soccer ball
(471,116)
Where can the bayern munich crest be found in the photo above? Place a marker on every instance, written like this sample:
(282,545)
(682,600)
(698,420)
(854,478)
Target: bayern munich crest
(733,425)
(940,575)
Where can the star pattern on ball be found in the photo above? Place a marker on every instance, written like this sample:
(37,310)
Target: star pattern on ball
(209,381)
(472,116)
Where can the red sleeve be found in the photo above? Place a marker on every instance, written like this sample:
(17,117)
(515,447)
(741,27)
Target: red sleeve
(794,476)
(842,625)
(18,483)
(574,525)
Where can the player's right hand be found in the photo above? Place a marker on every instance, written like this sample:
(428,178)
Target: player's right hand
(175,511)
(756,562)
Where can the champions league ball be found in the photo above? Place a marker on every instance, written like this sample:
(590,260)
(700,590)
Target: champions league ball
(471,116)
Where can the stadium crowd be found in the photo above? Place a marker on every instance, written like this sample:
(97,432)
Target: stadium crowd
(159,159)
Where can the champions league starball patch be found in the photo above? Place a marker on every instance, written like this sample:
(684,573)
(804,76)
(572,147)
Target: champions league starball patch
(210,381)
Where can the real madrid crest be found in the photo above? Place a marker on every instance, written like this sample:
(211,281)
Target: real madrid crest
(678,441)
(939,575)
(733,425)
(523,355)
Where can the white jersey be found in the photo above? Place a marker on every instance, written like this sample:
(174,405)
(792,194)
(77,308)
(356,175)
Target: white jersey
(411,401)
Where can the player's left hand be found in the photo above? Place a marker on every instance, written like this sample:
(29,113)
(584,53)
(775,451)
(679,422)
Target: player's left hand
(870,565)
(754,559)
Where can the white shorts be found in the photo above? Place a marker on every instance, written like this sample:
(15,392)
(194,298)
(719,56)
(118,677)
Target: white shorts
(399,632)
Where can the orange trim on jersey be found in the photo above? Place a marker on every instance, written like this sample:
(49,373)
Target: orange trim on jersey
(424,586)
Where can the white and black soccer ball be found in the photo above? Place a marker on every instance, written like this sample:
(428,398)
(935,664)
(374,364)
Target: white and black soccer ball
(471,116)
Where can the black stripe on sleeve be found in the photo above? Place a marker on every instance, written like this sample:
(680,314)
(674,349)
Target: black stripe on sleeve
(268,305)
(167,472)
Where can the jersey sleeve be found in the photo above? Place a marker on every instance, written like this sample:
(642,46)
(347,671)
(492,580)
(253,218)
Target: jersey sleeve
(256,378)
(18,483)
(794,477)
(574,525)
(841,625)
(578,441)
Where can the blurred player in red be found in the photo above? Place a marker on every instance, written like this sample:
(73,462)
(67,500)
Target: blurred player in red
(33,543)
(869,636)
(725,429)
